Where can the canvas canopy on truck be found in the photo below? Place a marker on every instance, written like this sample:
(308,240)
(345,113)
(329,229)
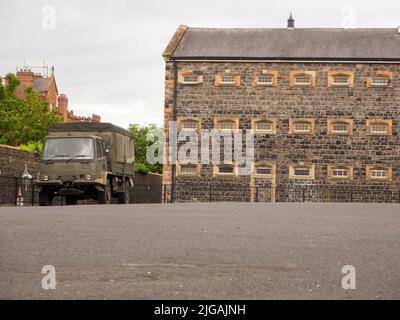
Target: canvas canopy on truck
(119,140)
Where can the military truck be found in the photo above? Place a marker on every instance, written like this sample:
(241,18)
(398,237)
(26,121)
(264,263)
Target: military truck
(86,161)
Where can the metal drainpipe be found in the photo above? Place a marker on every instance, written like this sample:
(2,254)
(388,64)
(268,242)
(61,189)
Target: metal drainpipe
(174,101)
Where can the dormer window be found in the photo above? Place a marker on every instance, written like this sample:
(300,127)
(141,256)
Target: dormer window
(379,127)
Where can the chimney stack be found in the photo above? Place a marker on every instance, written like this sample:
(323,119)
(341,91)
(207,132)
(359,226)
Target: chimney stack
(290,22)
(63,106)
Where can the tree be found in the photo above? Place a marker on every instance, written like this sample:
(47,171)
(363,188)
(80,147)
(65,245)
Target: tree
(141,146)
(23,121)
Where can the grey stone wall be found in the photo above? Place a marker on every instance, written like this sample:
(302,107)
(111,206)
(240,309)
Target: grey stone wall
(147,188)
(13,160)
(282,102)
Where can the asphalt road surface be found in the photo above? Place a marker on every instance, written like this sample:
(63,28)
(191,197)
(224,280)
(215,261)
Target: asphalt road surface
(201,251)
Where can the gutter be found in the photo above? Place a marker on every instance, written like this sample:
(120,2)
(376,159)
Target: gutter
(174,103)
(281,60)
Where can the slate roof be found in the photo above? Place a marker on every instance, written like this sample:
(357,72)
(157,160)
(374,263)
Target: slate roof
(308,44)
(41,85)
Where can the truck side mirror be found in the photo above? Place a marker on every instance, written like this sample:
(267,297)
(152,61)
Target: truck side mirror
(36,151)
(107,151)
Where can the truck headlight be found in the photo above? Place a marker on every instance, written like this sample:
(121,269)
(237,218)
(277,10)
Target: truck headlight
(88,177)
(44,177)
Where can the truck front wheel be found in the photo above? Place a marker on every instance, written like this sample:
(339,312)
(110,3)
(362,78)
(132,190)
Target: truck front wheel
(104,197)
(45,198)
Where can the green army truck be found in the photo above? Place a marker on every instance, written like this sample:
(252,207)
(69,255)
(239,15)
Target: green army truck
(86,161)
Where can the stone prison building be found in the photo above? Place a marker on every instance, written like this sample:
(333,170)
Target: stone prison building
(323,103)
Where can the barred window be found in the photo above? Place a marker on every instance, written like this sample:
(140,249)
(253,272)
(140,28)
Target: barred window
(228,79)
(380,81)
(379,173)
(189,125)
(340,127)
(302,171)
(265,126)
(225,169)
(340,173)
(303,80)
(226,125)
(188,169)
(301,127)
(263,170)
(265,80)
(379,128)
(190,79)
(341,80)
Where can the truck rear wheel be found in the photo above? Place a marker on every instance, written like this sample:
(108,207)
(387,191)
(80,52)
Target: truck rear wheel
(123,198)
(104,197)
(45,198)
(71,200)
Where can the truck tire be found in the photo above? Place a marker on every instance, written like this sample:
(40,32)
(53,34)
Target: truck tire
(45,198)
(123,198)
(104,197)
(71,200)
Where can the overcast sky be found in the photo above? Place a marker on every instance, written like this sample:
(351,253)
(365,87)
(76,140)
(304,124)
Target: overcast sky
(107,54)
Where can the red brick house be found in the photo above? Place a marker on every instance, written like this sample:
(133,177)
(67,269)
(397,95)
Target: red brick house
(46,86)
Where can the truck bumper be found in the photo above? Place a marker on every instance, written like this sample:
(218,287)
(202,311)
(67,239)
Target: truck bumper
(71,187)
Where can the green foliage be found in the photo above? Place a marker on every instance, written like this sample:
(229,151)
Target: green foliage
(141,146)
(31,146)
(23,121)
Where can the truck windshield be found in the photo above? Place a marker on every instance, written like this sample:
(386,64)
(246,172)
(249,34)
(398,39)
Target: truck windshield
(68,148)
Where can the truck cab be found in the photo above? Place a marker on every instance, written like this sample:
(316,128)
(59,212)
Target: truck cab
(77,165)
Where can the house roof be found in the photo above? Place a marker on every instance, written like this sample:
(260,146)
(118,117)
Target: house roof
(41,85)
(283,44)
